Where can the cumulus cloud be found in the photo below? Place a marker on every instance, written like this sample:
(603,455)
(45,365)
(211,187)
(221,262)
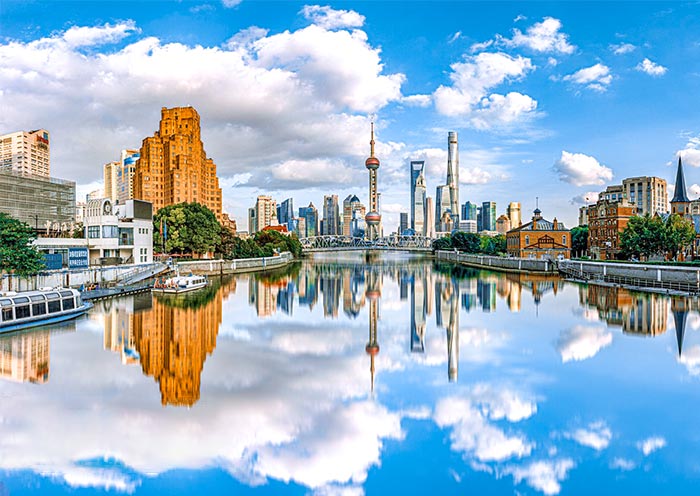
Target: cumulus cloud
(596,77)
(622,464)
(649,445)
(545,36)
(690,154)
(582,342)
(329,18)
(691,359)
(84,36)
(580,169)
(316,172)
(622,48)
(472,81)
(229,4)
(651,68)
(597,436)
(545,476)
(417,100)
(586,198)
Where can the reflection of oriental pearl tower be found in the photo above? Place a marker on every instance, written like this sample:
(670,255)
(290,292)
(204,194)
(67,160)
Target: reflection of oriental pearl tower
(373,294)
(373,218)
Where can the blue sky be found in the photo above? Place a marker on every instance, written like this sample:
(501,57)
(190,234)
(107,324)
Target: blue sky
(551,100)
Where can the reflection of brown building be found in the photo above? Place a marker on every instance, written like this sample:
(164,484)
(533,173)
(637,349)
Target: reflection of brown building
(25,357)
(539,238)
(606,220)
(636,313)
(173,340)
(119,324)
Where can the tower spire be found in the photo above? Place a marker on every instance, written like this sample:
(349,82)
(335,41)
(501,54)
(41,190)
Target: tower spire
(371,141)
(679,194)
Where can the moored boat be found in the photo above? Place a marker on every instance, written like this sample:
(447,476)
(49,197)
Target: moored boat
(39,307)
(180,284)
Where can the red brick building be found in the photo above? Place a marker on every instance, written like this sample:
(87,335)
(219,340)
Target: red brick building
(606,220)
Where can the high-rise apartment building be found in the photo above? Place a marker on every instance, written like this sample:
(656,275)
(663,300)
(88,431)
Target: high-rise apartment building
(513,214)
(110,180)
(488,216)
(125,175)
(261,216)
(331,215)
(26,152)
(173,166)
(416,168)
(648,194)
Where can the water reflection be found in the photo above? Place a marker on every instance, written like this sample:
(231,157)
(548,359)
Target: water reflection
(342,376)
(25,357)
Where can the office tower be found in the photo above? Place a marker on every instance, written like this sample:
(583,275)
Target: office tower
(373,218)
(26,152)
(429,218)
(442,206)
(469,211)
(353,217)
(513,213)
(418,305)
(416,168)
(488,216)
(125,175)
(347,215)
(173,166)
(310,216)
(479,220)
(285,214)
(453,174)
(331,215)
(403,222)
(110,180)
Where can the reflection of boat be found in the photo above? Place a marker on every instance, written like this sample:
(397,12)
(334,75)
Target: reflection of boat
(180,284)
(34,308)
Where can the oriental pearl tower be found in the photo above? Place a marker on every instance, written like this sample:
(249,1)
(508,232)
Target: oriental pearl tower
(373,217)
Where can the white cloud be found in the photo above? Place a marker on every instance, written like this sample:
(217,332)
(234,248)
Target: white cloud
(691,359)
(596,77)
(580,169)
(455,37)
(622,48)
(597,436)
(417,100)
(316,172)
(691,153)
(545,476)
(651,68)
(329,18)
(84,36)
(586,198)
(651,444)
(229,4)
(622,464)
(543,37)
(582,342)
(469,94)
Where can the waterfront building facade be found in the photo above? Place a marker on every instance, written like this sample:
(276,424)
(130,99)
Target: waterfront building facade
(648,194)
(606,221)
(539,239)
(173,167)
(26,152)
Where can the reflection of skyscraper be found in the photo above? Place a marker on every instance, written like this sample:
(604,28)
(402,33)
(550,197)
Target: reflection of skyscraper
(330,286)
(453,175)
(373,294)
(418,304)
(119,325)
(468,290)
(285,298)
(486,292)
(173,340)
(447,315)
(418,190)
(25,357)
(263,296)
(353,298)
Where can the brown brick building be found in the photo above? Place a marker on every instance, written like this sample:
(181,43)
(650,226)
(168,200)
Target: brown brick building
(539,238)
(174,168)
(606,220)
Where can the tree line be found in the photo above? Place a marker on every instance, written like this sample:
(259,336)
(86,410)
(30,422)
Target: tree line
(471,243)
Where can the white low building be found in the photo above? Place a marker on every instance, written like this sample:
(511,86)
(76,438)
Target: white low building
(119,233)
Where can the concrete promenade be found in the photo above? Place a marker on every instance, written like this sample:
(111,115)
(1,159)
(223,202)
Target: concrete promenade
(220,267)
(502,264)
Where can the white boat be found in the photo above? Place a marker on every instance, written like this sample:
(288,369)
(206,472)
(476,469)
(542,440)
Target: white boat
(180,284)
(40,307)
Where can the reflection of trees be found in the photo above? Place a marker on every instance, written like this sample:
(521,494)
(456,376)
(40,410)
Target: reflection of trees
(290,271)
(194,299)
(174,338)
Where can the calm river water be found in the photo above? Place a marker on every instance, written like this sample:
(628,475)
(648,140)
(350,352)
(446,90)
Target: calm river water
(335,376)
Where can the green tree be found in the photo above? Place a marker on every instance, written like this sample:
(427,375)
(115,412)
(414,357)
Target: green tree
(17,255)
(191,228)
(643,236)
(679,233)
(466,242)
(579,240)
(444,243)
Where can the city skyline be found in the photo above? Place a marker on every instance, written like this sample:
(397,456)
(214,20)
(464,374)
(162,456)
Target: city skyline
(543,105)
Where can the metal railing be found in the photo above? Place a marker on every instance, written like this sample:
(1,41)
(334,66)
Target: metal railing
(344,243)
(572,273)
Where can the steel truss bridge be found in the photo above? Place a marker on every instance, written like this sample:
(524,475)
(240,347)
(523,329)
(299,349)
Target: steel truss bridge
(318,244)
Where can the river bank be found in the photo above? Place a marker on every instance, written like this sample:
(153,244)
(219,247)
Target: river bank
(501,264)
(238,266)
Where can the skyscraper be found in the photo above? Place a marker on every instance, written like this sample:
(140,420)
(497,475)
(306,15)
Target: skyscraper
(373,218)
(469,211)
(125,175)
(513,213)
(429,218)
(418,206)
(416,168)
(442,207)
(310,216)
(173,166)
(403,222)
(26,152)
(453,174)
(285,213)
(262,213)
(110,170)
(488,216)
(331,215)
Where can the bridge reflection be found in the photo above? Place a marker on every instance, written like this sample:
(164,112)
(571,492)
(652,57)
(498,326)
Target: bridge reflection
(348,243)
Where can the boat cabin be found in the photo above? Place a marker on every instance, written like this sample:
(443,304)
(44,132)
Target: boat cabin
(34,305)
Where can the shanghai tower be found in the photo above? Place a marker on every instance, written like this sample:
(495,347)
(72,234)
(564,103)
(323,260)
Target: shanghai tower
(453,175)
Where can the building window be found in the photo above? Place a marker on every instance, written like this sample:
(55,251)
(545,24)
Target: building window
(563,240)
(110,232)
(93,232)
(527,240)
